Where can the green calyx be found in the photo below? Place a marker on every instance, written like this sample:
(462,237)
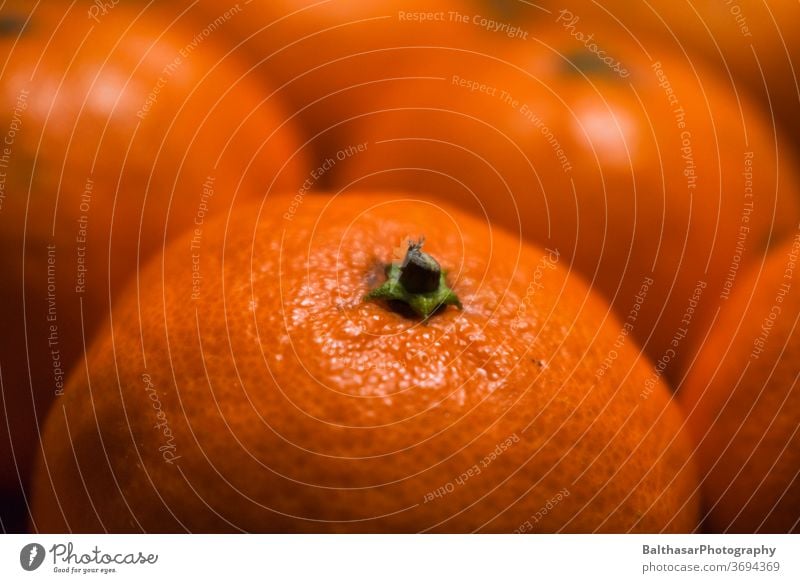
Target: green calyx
(418,282)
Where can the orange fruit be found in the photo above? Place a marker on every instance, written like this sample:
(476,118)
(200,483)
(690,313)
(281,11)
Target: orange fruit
(750,42)
(117,134)
(650,177)
(329,58)
(272,396)
(743,403)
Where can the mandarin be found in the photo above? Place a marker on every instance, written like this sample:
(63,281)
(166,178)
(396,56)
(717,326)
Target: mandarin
(117,134)
(752,43)
(650,176)
(330,58)
(248,384)
(742,400)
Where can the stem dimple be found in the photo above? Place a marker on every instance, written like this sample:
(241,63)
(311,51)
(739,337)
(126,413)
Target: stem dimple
(11,24)
(419,272)
(418,282)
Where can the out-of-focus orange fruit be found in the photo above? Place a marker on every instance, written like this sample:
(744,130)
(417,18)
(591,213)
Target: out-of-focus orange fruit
(753,43)
(743,403)
(117,133)
(330,58)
